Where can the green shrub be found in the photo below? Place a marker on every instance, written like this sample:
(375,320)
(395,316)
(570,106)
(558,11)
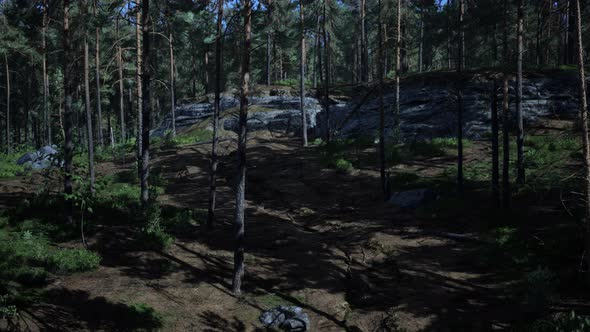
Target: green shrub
(343,164)
(144,315)
(7,310)
(73,260)
(155,236)
(571,322)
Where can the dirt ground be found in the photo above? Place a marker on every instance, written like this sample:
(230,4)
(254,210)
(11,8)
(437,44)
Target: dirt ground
(316,238)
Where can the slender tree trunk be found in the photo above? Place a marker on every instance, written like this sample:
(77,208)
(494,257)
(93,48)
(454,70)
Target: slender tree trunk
(215,141)
(505,118)
(364,46)
(68,114)
(302,75)
(269,42)
(242,134)
(146,102)
(327,76)
(46,111)
(495,147)
(8,143)
(89,127)
(520,178)
(205,70)
(584,122)
(380,70)
(138,76)
(172,82)
(398,68)
(460,67)
(97,75)
(121,88)
(317,66)
(421,48)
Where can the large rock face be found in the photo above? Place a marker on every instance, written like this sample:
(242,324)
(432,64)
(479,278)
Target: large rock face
(428,108)
(266,113)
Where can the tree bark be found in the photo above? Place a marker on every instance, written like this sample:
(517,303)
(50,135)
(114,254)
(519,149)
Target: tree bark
(495,147)
(327,75)
(584,122)
(68,115)
(172,81)
(460,67)
(121,88)
(89,138)
(46,111)
(398,67)
(215,141)
(302,75)
(269,42)
(97,75)
(380,70)
(364,47)
(138,76)
(505,118)
(520,178)
(8,143)
(146,102)
(242,140)
(421,47)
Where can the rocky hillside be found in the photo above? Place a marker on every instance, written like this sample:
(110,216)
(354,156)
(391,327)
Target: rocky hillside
(428,107)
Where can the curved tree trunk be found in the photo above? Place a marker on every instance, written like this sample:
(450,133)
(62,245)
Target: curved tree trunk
(242,133)
(215,141)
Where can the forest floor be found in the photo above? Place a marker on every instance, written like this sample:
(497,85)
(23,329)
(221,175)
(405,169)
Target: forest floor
(316,237)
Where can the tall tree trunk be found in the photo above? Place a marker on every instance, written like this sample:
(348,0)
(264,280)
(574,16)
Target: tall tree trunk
(460,67)
(89,127)
(215,141)
(172,81)
(520,178)
(206,70)
(242,133)
(138,76)
(146,102)
(121,88)
(8,143)
(364,46)
(380,71)
(505,117)
(327,75)
(398,67)
(46,112)
(317,65)
(68,115)
(421,47)
(97,75)
(302,75)
(495,147)
(584,122)
(269,42)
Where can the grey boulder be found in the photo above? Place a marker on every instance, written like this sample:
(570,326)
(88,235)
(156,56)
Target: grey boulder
(45,157)
(413,199)
(291,319)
